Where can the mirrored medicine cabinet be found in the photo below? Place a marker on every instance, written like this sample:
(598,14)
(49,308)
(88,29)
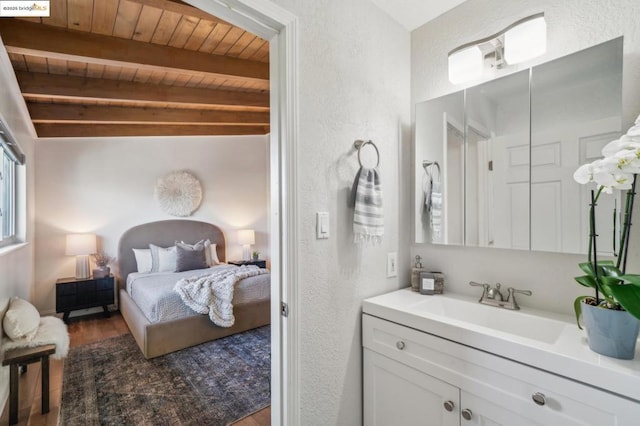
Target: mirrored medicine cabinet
(494,163)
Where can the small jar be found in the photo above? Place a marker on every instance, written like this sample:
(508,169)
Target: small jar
(415,274)
(438,286)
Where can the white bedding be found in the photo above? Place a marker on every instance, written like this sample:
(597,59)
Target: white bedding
(154,292)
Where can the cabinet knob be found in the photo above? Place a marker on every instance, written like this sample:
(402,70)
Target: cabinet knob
(449,405)
(539,398)
(400,344)
(467,414)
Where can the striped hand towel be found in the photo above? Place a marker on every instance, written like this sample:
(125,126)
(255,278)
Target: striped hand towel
(368,218)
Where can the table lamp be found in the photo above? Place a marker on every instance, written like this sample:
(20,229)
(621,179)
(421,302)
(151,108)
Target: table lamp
(81,246)
(246,237)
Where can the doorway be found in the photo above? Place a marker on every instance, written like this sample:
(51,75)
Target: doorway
(279,27)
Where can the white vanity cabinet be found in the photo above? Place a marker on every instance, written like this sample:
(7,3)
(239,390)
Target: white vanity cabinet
(414,378)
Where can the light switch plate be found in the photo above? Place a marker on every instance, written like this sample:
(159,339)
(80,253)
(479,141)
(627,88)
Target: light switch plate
(392,264)
(322,225)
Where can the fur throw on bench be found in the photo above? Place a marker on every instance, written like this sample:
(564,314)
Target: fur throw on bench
(52,330)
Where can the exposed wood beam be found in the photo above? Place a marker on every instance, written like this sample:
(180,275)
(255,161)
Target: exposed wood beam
(57,113)
(60,86)
(108,130)
(181,8)
(28,38)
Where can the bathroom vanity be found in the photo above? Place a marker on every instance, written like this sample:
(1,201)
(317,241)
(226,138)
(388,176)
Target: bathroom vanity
(448,360)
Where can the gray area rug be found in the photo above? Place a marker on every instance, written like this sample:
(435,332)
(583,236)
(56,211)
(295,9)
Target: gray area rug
(215,383)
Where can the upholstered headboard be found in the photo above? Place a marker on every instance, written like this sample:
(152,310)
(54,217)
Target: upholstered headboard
(164,234)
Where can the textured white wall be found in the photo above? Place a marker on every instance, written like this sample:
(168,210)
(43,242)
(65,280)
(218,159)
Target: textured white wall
(105,186)
(16,266)
(572,25)
(354,83)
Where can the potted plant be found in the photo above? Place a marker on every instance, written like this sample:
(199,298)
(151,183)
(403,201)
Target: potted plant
(611,316)
(102,261)
(255,255)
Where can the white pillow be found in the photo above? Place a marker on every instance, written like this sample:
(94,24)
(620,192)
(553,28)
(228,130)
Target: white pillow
(163,259)
(143,259)
(21,320)
(211,253)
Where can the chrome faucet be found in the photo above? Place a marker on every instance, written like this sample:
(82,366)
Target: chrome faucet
(493,296)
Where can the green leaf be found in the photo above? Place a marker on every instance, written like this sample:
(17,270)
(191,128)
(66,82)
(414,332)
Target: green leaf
(632,278)
(578,309)
(587,281)
(586,267)
(610,270)
(629,297)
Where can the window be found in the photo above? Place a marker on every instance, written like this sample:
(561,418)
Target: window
(12,156)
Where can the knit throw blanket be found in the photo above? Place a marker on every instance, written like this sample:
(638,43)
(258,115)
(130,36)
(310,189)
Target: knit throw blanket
(212,293)
(368,218)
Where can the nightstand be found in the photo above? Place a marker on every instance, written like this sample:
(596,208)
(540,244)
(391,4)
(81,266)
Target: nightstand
(74,294)
(258,263)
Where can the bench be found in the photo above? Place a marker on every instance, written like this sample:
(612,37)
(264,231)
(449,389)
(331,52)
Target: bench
(23,356)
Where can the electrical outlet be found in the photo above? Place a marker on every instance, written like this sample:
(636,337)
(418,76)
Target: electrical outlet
(392,264)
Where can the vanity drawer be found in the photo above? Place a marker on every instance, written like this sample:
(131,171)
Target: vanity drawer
(494,379)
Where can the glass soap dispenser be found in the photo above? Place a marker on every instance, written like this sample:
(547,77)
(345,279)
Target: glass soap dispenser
(415,274)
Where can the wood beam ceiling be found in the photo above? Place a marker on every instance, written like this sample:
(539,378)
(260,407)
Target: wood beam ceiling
(29,38)
(47,130)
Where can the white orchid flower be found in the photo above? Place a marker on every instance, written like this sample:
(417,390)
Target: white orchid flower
(625,143)
(584,173)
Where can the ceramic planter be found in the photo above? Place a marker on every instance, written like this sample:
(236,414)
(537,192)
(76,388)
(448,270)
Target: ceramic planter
(610,332)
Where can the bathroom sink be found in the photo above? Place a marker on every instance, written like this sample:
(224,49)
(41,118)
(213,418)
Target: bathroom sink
(523,323)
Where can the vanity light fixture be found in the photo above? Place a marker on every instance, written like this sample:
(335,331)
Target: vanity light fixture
(523,40)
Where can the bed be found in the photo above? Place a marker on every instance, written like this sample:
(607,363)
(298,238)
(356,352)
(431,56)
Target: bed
(165,333)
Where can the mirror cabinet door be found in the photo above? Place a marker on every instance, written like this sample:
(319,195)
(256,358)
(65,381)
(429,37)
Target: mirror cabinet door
(439,170)
(497,163)
(576,109)
(494,164)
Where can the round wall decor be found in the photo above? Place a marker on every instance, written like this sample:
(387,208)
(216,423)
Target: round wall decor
(179,193)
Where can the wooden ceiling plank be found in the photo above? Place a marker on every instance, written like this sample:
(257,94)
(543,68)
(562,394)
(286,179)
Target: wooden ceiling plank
(199,35)
(228,41)
(57,66)
(42,40)
(107,130)
(104,17)
(95,70)
(77,69)
(57,15)
(157,77)
(252,48)
(239,46)
(127,73)
(166,25)
(181,8)
(112,73)
(214,38)
(37,64)
(18,62)
(142,76)
(126,19)
(147,23)
(79,14)
(262,54)
(43,113)
(194,82)
(38,84)
(183,31)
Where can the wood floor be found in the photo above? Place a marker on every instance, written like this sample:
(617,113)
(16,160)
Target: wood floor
(81,332)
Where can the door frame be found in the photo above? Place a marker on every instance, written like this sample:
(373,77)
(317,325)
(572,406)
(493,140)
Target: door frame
(280,28)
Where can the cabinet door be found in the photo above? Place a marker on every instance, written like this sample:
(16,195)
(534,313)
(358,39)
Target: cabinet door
(398,395)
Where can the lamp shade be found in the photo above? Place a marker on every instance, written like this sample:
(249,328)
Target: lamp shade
(81,244)
(246,236)
(465,65)
(525,41)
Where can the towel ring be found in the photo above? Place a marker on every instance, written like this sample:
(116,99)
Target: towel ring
(359,144)
(428,163)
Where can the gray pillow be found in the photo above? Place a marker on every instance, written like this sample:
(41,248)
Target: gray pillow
(190,257)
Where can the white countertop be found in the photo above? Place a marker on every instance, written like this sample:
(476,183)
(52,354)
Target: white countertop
(567,355)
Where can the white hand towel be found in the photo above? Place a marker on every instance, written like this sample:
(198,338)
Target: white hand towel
(436,211)
(368,217)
